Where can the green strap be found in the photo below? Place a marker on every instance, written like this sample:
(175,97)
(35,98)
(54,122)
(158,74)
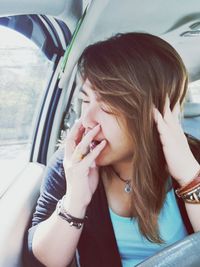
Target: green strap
(67,52)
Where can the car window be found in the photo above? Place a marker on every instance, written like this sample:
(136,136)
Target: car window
(194,92)
(72,111)
(24,75)
(191,119)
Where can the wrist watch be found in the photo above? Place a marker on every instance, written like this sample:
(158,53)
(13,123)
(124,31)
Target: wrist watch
(73,221)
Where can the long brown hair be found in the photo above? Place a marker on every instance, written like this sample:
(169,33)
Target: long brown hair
(132,72)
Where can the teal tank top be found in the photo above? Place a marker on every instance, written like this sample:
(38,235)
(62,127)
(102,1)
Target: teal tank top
(133,247)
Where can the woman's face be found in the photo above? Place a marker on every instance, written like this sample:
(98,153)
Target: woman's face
(94,112)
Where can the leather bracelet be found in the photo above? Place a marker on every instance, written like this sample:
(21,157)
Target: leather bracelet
(73,221)
(189,186)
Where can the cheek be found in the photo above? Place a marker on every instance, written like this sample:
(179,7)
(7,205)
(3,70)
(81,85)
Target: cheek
(113,135)
(111,129)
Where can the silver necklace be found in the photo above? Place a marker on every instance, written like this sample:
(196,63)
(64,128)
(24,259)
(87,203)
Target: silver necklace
(127,188)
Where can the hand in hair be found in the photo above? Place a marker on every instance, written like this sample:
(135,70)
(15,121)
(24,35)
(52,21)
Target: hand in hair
(180,161)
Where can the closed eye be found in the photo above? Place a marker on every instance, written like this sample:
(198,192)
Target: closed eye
(84,101)
(83,97)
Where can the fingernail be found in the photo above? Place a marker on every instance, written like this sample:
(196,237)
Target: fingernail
(103,142)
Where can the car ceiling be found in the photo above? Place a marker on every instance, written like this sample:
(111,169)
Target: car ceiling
(104,18)
(67,10)
(168,19)
(155,16)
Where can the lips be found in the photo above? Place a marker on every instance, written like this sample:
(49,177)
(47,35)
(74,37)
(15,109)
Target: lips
(93,144)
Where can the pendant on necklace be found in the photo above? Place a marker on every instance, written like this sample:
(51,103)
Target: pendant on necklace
(127,187)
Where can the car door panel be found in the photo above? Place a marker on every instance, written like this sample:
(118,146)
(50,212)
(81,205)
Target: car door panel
(16,207)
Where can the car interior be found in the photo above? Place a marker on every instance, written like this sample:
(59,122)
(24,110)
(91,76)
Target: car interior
(61,30)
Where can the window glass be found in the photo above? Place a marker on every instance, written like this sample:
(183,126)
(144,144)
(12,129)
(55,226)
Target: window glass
(72,112)
(24,74)
(191,119)
(194,92)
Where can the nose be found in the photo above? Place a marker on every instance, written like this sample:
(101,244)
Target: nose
(89,117)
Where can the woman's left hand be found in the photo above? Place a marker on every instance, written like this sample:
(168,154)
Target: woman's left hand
(180,161)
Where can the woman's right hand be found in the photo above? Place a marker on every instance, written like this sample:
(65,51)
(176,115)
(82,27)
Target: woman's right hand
(81,171)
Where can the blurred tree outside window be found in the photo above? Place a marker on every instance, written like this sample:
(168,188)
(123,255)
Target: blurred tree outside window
(24,75)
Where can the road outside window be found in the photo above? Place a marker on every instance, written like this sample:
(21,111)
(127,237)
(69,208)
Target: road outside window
(24,74)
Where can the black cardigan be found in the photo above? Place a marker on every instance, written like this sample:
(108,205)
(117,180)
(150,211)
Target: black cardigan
(97,245)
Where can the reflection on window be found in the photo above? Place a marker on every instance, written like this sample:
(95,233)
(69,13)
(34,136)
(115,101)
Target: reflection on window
(191,120)
(24,73)
(193,94)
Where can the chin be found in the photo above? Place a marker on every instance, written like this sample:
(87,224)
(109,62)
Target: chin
(103,160)
(101,163)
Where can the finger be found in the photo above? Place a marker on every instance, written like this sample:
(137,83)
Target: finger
(160,122)
(175,120)
(73,138)
(171,117)
(90,158)
(84,145)
(167,111)
(176,112)
(156,115)
(76,131)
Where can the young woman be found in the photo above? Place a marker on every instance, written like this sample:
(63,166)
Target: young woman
(108,196)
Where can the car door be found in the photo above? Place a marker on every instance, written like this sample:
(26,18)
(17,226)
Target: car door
(31,62)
